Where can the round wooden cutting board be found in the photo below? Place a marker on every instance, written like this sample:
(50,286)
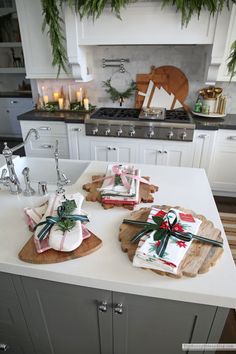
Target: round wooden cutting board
(200,256)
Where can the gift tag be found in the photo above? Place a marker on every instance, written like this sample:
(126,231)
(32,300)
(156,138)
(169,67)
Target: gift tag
(186,217)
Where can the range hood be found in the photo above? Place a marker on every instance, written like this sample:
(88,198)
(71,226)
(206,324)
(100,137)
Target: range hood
(143,23)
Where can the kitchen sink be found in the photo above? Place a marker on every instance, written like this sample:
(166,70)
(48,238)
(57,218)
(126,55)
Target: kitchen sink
(44,169)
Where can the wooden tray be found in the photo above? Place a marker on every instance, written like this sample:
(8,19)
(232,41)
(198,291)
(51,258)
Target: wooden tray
(94,195)
(199,258)
(30,255)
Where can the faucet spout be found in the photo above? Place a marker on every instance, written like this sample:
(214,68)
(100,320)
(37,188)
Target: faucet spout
(62,180)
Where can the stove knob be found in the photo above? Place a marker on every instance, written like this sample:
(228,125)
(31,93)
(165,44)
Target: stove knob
(183,136)
(150,133)
(95,131)
(119,132)
(170,134)
(132,132)
(107,131)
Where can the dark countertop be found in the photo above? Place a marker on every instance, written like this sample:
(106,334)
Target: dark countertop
(15,94)
(63,116)
(228,122)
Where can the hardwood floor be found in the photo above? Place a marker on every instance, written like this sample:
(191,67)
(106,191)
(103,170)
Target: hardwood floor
(227,205)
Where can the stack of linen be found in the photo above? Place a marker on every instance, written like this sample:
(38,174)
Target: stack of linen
(146,255)
(121,185)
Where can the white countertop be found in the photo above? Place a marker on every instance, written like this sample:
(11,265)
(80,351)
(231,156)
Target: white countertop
(109,268)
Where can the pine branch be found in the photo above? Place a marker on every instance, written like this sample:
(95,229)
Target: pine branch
(232,61)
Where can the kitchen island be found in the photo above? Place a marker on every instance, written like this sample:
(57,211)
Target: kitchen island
(194,309)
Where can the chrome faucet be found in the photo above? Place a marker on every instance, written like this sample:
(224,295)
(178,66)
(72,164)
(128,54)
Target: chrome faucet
(62,180)
(12,180)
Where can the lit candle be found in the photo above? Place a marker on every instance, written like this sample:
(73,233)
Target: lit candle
(56,96)
(61,103)
(45,99)
(86,104)
(79,95)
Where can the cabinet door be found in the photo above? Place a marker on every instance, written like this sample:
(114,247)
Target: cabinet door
(149,325)
(223,170)
(111,150)
(36,45)
(204,142)
(78,142)
(66,318)
(151,154)
(178,154)
(14,336)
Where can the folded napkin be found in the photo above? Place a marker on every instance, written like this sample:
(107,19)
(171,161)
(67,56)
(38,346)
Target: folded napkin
(146,252)
(56,239)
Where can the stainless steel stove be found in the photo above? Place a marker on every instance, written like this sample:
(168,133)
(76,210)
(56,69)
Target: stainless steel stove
(135,123)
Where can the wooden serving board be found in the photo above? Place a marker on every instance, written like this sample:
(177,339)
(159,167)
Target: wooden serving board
(199,258)
(172,79)
(94,195)
(30,255)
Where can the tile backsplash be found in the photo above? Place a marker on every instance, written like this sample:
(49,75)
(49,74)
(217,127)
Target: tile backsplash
(192,60)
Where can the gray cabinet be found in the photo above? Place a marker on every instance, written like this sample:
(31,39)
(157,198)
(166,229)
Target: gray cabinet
(61,318)
(14,335)
(73,319)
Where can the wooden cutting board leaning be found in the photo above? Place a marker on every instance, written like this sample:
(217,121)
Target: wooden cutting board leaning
(165,86)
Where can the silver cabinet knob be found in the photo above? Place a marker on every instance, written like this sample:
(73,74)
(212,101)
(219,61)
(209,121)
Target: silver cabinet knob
(150,133)
(170,135)
(107,131)
(102,307)
(132,132)
(118,309)
(165,151)
(95,131)
(159,151)
(4,347)
(119,132)
(232,137)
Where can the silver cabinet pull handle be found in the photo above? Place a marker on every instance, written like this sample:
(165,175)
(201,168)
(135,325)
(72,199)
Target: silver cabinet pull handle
(203,136)
(118,309)
(13,102)
(44,128)
(76,129)
(232,137)
(46,146)
(3,347)
(103,306)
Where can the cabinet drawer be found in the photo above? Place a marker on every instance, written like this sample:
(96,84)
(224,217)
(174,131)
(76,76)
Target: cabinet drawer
(45,128)
(227,137)
(45,147)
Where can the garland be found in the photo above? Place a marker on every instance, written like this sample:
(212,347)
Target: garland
(232,61)
(116,95)
(52,18)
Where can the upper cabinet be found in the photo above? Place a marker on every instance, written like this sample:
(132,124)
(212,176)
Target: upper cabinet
(36,45)
(231,37)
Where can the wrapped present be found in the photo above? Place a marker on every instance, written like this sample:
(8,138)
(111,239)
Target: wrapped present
(60,226)
(165,239)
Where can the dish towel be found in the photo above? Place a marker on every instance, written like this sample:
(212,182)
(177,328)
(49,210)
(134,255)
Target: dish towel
(146,252)
(56,239)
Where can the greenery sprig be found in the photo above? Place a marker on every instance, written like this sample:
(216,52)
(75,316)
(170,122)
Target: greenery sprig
(116,95)
(93,8)
(67,224)
(232,61)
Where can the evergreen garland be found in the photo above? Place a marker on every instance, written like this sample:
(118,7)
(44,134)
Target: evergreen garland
(232,61)
(94,8)
(116,95)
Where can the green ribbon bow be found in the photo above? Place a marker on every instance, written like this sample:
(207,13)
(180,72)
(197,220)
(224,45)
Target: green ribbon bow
(163,234)
(62,216)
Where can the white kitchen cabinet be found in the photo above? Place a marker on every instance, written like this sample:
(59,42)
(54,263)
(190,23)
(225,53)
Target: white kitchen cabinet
(231,37)
(166,153)
(223,167)
(10,108)
(204,142)
(114,150)
(79,148)
(49,132)
(36,45)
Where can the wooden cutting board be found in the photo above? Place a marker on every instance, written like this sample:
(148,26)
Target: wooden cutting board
(199,258)
(94,195)
(29,254)
(172,79)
